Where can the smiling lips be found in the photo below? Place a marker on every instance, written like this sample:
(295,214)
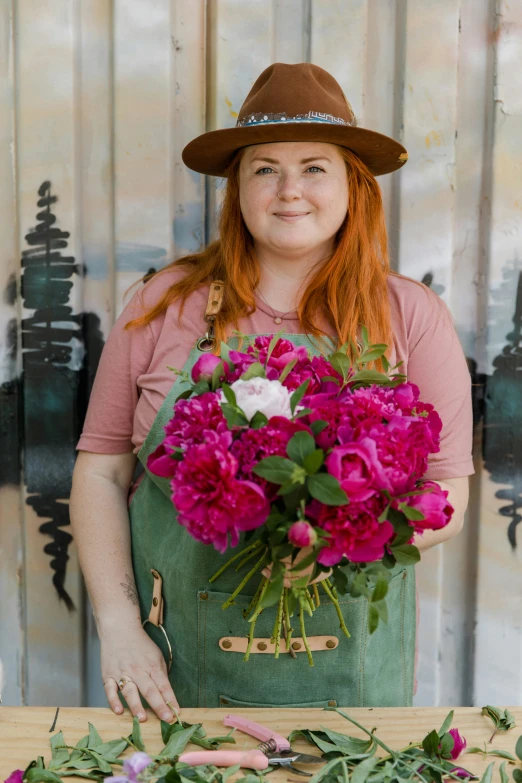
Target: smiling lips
(290,216)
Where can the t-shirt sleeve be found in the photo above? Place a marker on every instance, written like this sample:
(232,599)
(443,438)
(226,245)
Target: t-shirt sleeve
(108,425)
(436,363)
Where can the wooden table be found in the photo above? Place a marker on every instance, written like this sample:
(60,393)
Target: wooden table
(24,731)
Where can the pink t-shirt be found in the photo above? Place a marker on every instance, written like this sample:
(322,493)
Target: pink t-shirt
(132,379)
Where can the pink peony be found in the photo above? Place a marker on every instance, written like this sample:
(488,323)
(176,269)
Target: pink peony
(192,421)
(205,366)
(283,353)
(357,469)
(434,505)
(15,777)
(459,745)
(302,534)
(241,362)
(326,407)
(402,448)
(254,445)
(211,501)
(355,532)
(313,370)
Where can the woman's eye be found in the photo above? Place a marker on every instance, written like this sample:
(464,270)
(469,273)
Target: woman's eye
(267,168)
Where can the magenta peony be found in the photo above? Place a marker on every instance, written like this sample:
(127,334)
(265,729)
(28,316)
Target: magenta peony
(283,353)
(355,532)
(212,502)
(434,505)
(302,534)
(313,370)
(403,446)
(15,777)
(459,745)
(357,468)
(241,362)
(205,366)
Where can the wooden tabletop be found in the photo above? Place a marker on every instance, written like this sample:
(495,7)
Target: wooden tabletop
(24,731)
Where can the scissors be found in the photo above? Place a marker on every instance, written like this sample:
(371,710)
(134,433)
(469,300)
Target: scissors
(274,750)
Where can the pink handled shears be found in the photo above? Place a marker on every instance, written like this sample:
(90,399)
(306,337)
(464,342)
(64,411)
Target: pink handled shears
(274,750)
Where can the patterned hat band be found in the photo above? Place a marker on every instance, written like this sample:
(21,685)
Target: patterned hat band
(260,118)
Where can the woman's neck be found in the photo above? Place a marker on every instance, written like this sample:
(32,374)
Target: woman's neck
(282,283)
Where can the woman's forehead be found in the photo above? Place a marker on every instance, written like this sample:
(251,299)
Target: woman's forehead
(291,150)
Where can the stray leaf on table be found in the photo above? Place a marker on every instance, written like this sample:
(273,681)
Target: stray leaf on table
(503,754)
(503,720)
(518,748)
(486,777)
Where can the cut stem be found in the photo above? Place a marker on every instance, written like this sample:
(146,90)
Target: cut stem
(263,560)
(316,595)
(288,628)
(253,620)
(255,545)
(254,600)
(328,590)
(303,631)
(279,622)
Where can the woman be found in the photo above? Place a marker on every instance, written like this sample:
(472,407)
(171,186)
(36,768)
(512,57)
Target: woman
(302,248)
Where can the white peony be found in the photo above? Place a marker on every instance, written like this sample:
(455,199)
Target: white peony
(260,394)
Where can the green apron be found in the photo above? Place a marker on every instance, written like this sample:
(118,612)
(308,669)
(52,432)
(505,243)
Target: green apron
(364,670)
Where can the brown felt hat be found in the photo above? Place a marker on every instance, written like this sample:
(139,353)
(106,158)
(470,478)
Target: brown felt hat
(294,102)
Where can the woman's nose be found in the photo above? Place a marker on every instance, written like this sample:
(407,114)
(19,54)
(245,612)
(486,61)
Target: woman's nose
(289,187)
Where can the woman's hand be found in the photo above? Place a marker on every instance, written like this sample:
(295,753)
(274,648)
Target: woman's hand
(130,653)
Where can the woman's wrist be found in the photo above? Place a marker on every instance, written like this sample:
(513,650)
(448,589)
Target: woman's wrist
(117,620)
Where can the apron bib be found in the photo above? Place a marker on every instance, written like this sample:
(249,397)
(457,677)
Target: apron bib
(362,670)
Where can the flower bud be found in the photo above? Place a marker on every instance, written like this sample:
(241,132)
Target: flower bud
(205,366)
(302,534)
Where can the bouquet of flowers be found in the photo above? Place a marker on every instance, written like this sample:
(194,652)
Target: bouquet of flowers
(321,455)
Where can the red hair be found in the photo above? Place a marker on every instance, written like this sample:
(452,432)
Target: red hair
(349,288)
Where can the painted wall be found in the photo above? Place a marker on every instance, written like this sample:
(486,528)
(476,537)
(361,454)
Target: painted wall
(97,100)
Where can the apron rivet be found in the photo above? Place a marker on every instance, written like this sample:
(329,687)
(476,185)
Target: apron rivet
(227,644)
(203,596)
(262,646)
(330,644)
(296,646)
(155,601)
(224,701)
(332,703)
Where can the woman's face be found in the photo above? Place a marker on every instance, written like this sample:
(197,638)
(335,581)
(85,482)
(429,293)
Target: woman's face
(306,179)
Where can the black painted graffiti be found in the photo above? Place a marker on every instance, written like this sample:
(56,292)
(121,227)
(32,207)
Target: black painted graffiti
(45,408)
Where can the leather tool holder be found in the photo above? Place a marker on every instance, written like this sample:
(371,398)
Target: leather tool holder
(214,304)
(156,611)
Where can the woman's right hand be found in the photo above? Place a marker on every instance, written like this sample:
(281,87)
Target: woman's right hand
(130,653)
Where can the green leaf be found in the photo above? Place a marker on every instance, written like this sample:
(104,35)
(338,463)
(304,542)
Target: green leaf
(60,754)
(373,352)
(287,369)
(504,777)
(300,446)
(277,470)
(373,618)
(94,737)
(363,770)
(411,513)
(364,336)
(430,743)
(406,555)
(447,723)
(318,426)
(217,375)
(305,562)
(326,489)
(518,748)
(341,362)
(35,775)
(349,745)
(340,581)
(224,353)
(258,420)
(382,609)
(136,737)
(380,590)
(369,377)
(177,742)
(298,395)
(486,777)
(447,743)
(111,750)
(517,775)
(201,387)
(230,394)
(234,416)
(312,462)
(255,370)
(272,594)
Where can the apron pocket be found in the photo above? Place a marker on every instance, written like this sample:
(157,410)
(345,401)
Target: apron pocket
(266,681)
(228,701)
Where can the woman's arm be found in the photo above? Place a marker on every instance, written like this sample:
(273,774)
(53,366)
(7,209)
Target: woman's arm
(458,494)
(101,529)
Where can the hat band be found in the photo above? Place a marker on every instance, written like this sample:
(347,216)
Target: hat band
(312,116)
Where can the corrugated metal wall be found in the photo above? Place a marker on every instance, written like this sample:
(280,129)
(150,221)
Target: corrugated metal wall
(97,100)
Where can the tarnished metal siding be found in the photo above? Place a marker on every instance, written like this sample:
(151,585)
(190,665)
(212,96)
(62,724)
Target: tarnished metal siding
(97,100)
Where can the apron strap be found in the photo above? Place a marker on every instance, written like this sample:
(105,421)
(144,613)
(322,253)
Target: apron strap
(214,304)
(156,609)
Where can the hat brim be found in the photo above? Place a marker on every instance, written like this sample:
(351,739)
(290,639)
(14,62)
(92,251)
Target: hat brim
(212,152)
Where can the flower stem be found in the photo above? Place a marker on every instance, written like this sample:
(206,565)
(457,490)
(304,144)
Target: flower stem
(303,631)
(254,600)
(279,622)
(288,628)
(310,600)
(328,590)
(247,557)
(253,619)
(260,563)
(316,595)
(255,545)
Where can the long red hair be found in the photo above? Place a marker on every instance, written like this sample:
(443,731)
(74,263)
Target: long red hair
(349,288)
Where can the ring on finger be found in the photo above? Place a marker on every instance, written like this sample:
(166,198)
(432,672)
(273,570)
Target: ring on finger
(122,682)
